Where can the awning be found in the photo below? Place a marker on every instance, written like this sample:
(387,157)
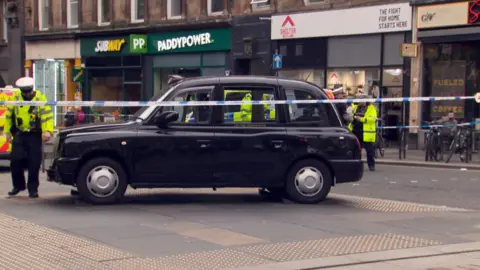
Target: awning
(449,35)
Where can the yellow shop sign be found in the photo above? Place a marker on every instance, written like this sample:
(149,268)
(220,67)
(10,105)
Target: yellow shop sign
(109,45)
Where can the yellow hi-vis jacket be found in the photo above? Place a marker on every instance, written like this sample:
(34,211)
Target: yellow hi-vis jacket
(29,118)
(245,114)
(369,121)
(350,125)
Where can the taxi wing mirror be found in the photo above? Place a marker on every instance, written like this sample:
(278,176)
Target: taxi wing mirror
(165,118)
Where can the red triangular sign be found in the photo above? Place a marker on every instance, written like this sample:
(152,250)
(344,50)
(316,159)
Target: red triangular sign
(288,20)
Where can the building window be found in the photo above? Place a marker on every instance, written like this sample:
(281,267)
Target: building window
(283,50)
(175,9)
(72,13)
(299,50)
(138,11)
(260,4)
(43,14)
(311,2)
(216,6)
(104,12)
(4,23)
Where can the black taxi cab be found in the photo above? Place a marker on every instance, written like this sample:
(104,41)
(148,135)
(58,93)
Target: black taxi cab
(296,151)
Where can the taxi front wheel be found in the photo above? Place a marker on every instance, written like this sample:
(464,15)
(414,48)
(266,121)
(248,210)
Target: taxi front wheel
(308,181)
(102,181)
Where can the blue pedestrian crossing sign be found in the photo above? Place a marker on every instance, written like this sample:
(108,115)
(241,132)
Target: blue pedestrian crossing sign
(277,61)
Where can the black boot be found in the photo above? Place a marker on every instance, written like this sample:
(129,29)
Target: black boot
(15,191)
(33,195)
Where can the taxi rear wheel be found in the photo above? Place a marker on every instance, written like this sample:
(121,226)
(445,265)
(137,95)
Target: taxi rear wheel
(102,181)
(308,181)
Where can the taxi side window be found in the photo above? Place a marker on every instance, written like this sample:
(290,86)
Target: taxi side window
(306,112)
(192,114)
(248,113)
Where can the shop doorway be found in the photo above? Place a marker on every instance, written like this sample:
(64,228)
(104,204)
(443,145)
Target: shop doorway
(242,67)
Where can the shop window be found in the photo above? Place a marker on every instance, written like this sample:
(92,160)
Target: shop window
(260,4)
(315,76)
(192,114)
(283,50)
(132,61)
(299,50)
(307,112)
(138,10)
(72,13)
(216,6)
(249,113)
(107,61)
(354,81)
(132,75)
(175,9)
(104,12)
(43,14)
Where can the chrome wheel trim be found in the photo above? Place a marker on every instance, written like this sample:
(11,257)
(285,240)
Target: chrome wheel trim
(102,181)
(309,181)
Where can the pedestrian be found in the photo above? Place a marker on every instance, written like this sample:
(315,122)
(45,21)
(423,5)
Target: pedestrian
(365,128)
(26,127)
(69,117)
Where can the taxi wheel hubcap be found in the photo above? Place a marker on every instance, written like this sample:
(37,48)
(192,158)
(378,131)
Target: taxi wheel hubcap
(102,181)
(309,181)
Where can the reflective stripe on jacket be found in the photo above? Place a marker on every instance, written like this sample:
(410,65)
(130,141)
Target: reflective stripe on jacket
(29,118)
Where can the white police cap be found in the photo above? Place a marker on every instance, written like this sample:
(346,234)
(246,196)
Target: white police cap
(24,82)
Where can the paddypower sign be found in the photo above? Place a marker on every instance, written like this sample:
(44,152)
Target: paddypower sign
(173,42)
(195,41)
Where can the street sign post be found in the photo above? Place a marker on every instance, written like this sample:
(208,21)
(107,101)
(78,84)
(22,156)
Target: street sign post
(277,61)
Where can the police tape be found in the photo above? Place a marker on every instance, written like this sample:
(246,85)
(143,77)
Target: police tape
(225,103)
(430,126)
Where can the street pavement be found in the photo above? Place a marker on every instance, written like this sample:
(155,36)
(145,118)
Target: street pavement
(426,217)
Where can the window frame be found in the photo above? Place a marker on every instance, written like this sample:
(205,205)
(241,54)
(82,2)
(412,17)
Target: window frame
(279,109)
(169,10)
(150,120)
(308,2)
(41,4)
(101,21)
(134,11)
(69,14)
(260,6)
(329,110)
(209,8)
(4,37)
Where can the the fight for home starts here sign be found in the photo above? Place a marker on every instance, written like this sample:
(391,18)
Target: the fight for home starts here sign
(354,21)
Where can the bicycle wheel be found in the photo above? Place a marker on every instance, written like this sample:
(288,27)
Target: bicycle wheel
(451,150)
(381,146)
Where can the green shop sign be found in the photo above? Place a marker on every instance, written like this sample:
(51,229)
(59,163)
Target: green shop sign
(194,41)
(172,42)
(122,45)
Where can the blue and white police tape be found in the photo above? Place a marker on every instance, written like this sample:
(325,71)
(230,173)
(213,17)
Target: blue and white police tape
(223,103)
(430,126)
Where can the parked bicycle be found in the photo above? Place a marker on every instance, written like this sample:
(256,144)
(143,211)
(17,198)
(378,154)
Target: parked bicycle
(433,143)
(461,144)
(379,145)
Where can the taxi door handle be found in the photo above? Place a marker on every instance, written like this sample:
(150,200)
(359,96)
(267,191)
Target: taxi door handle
(205,143)
(277,144)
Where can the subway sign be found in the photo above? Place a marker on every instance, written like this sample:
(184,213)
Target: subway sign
(109,45)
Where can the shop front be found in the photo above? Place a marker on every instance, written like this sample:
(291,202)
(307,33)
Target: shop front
(449,35)
(189,53)
(51,63)
(136,67)
(112,70)
(357,49)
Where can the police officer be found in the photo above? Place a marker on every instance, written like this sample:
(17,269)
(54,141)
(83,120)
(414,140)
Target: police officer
(26,127)
(364,126)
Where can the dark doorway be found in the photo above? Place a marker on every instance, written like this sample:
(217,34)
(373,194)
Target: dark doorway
(242,67)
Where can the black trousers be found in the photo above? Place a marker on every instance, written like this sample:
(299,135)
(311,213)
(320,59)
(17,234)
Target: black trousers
(370,154)
(26,154)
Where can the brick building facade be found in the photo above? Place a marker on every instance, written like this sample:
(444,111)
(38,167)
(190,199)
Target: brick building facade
(64,40)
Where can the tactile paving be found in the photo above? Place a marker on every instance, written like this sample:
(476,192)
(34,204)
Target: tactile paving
(336,246)
(388,205)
